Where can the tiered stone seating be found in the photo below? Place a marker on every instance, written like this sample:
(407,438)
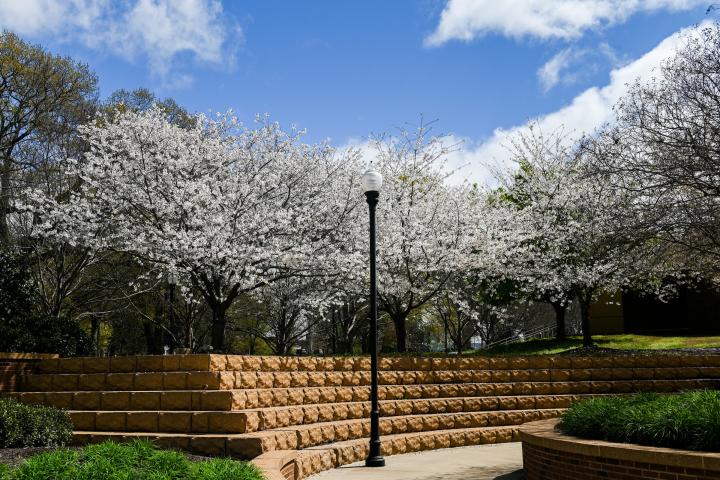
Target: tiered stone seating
(246,406)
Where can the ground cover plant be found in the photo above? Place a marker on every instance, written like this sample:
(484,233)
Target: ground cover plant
(689,420)
(137,460)
(33,426)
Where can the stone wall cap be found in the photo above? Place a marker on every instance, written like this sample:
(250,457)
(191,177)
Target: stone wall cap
(545,434)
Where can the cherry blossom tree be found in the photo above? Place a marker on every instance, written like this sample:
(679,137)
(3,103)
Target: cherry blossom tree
(425,227)
(570,234)
(225,208)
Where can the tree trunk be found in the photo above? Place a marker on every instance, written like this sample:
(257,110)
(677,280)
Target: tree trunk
(5,200)
(445,329)
(217,329)
(400,332)
(560,309)
(585,300)
(95,334)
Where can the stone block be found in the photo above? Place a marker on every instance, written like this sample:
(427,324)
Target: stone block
(200,422)
(582,363)
(421,364)
(142,421)
(558,375)
(509,388)
(413,443)
(211,446)
(427,442)
(226,380)
(147,381)
(59,399)
(50,365)
(521,375)
(92,381)
(360,394)
(504,435)
(120,381)
(96,365)
(37,382)
(174,380)
(83,421)
(86,401)
(115,400)
(227,422)
(289,364)
(281,397)
(145,400)
(32,398)
(270,364)
(216,400)
(502,376)
(563,363)
(195,363)
(249,363)
(442,363)
(361,364)
(150,363)
(442,440)
(110,421)
(176,400)
(245,379)
(265,380)
(235,363)
(419,407)
(498,363)
(282,379)
(218,363)
(170,363)
(66,382)
(70,365)
(123,364)
(299,379)
(174,422)
(206,380)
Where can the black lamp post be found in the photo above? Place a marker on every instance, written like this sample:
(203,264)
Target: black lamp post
(371,182)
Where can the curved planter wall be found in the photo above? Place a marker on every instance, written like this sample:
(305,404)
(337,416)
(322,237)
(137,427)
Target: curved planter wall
(549,454)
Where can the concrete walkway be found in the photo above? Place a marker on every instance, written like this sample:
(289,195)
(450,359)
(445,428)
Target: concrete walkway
(484,462)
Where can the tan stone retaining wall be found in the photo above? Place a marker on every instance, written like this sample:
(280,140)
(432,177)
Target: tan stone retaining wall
(13,365)
(549,454)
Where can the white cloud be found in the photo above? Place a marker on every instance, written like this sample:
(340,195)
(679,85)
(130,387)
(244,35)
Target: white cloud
(549,73)
(565,19)
(157,31)
(584,114)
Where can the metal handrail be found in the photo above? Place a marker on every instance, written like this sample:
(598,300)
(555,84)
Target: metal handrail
(545,331)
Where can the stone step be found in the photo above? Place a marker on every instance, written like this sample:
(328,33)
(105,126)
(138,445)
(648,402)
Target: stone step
(305,436)
(248,421)
(227,446)
(236,422)
(274,397)
(210,362)
(314,460)
(200,380)
(217,400)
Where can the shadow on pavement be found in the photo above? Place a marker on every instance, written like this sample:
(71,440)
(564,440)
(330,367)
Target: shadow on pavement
(516,475)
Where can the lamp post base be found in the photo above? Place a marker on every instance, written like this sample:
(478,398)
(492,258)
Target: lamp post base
(378,461)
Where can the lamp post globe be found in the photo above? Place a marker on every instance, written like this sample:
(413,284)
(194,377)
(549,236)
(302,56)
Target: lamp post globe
(372,182)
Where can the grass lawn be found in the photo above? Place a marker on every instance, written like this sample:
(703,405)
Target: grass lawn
(620,342)
(137,460)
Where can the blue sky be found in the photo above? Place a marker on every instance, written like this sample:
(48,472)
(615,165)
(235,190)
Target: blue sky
(344,69)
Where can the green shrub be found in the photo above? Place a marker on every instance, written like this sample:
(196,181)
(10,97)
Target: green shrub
(33,426)
(138,460)
(688,421)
